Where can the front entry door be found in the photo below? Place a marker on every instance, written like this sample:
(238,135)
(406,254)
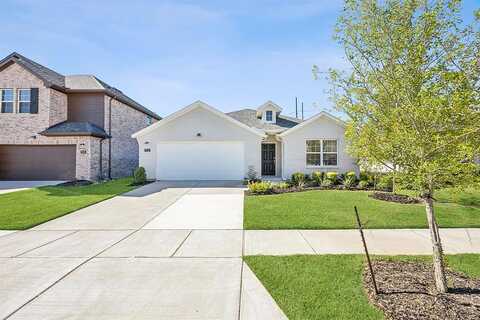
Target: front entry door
(268,159)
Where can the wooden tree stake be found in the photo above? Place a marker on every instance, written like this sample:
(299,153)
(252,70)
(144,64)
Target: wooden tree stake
(366,250)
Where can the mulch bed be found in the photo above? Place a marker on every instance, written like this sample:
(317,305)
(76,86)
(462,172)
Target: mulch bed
(393,197)
(296,189)
(407,291)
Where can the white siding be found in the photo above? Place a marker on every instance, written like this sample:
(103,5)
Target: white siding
(210,126)
(294,148)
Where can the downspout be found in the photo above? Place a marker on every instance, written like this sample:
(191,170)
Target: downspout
(110,138)
(101,158)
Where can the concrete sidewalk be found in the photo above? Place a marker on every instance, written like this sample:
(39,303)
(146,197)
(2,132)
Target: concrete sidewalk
(381,242)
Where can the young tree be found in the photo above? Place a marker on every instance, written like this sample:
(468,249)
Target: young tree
(412,94)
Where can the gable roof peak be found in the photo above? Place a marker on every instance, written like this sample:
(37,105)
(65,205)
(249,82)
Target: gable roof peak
(269,105)
(321,114)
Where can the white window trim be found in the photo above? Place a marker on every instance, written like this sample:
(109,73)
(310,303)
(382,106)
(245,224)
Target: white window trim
(274,116)
(29,101)
(12,101)
(321,153)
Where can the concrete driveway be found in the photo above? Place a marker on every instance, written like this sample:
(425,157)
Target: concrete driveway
(12,186)
(169,250)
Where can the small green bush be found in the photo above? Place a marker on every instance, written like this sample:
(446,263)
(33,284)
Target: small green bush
(351,174)
(349,181)
(281,186)
(364,176)
(332,176)
(139,176)
(261,187)
(385,183)
(326,183)
(363,184)
(298,179)
(317,177)
(367,176)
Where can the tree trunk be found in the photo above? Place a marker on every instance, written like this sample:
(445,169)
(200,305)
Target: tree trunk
(438,264)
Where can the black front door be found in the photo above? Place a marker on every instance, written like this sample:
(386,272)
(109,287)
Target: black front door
(268,159)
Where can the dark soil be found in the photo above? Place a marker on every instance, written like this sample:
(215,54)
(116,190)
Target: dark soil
(76,183)
(393,197)
(407,291)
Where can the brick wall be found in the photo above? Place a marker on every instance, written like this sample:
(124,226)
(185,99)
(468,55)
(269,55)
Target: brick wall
(125,122)
(20,127)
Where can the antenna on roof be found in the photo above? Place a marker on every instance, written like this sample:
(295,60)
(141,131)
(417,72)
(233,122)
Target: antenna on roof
(296,107)
(302,110)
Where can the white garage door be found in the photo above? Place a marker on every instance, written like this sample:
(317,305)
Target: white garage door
(200,161)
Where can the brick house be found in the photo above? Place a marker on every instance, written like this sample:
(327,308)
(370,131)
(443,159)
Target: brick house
(56,127)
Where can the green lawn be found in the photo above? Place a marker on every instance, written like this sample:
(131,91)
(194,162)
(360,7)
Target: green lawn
(24,209)
(333,209)
(329,286)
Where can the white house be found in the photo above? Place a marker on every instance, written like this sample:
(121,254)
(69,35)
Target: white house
(200,142)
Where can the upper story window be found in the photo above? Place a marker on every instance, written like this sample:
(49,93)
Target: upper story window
(8,100)
(322,153)
(149,120)
(269,115)
(24,100)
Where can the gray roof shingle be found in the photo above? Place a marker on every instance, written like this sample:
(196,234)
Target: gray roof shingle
(69,128)
(249,117)
(48,75)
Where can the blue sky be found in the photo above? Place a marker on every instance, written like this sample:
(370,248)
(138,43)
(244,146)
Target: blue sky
(167,54)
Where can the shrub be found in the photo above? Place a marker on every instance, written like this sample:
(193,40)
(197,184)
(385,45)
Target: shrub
(349,181)
(261,187)
(367,176)
(332,176)
(351,174)
(298,179)
(317,177)
(139,176)
(281,186)
(326,183)
(385,183)
(363,184)
(363,176)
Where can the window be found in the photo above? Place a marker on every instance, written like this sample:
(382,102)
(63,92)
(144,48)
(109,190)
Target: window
(24,100)
(149,120)
(314,151)
(7,100)
(322,153)
(269,115)
(329,152)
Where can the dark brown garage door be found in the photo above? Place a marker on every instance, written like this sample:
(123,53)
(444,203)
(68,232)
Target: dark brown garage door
(42,162)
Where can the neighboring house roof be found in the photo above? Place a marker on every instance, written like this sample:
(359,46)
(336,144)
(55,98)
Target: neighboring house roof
(191,107)
(50,77)
(249,117)
(79,83)
(68,128)
(73,83)
(305,123)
